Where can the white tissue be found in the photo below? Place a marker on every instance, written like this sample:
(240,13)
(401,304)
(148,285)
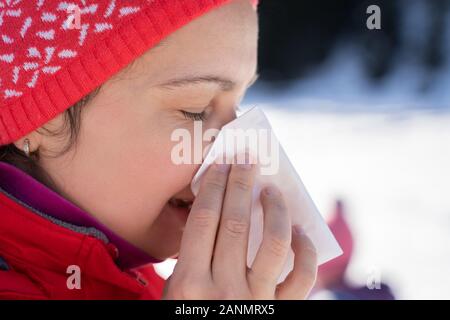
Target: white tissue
(282,174)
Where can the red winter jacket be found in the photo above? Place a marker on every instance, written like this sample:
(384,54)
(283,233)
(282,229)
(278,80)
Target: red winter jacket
(35,254)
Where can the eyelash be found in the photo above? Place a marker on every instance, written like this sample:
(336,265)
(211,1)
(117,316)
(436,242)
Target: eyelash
(194,116)
(199,116)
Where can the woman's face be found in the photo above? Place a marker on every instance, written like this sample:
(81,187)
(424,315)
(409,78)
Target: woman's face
(121,170)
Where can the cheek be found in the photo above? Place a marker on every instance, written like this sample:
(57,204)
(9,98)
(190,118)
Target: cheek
(154,172)
(138,158)
(172,177)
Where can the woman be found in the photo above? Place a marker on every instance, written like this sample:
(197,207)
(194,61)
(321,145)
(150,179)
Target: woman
(90,197)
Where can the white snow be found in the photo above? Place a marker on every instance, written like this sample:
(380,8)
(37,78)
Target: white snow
(393,174)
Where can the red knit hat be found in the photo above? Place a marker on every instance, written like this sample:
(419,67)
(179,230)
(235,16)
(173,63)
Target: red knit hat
(49,60)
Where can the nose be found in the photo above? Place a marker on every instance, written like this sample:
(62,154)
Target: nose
(227,117)
(216,122)
(233,116)
(185,194)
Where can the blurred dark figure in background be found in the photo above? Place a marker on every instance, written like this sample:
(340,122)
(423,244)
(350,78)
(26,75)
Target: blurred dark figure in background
(298,36)
(331,275)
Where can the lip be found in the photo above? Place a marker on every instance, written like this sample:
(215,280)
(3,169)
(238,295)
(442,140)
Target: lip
(181,213)
(181,203)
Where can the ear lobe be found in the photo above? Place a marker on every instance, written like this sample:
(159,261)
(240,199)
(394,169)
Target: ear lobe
(34,141)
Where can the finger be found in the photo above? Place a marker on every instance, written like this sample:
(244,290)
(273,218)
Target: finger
(230,256)
(301,279)
(199,235)
(272,254)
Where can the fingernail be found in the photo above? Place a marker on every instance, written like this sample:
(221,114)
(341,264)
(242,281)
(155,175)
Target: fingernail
(298,229)
(222,167)
(271,191)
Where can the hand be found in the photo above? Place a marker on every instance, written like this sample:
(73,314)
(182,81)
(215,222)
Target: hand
(212,262)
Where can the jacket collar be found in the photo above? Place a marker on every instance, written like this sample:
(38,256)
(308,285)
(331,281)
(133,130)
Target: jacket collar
(36,197)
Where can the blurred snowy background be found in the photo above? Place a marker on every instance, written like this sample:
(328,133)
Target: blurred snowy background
(364,116)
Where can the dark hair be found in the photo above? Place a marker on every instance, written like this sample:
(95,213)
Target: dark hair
(69,130)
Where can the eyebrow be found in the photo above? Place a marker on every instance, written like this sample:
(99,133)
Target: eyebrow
(225,84)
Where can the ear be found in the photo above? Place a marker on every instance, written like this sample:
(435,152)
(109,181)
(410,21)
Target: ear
(35,141)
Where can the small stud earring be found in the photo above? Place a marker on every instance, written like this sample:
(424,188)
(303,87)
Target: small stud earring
(26,147)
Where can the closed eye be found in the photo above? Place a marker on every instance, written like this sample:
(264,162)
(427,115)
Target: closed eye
(194,116)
